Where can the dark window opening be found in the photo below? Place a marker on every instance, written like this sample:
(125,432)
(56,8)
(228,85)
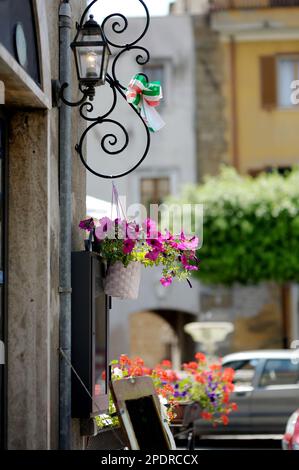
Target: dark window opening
(282,170)
(12,13)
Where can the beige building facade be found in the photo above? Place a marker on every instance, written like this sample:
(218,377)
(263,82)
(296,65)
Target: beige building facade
(30,224)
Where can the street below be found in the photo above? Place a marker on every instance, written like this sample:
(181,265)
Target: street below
(236,443)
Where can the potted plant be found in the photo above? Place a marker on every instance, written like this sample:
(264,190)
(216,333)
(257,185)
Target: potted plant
(203,388)
(125,246)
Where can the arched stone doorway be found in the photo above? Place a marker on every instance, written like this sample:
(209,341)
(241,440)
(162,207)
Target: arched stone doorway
(159,334)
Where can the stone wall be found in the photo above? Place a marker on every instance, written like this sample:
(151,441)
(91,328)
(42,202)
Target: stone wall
(210,119)
(33,253)
(255,311)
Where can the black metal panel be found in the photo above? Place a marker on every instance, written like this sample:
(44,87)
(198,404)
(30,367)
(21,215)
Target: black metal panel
(20,11)
(89,336)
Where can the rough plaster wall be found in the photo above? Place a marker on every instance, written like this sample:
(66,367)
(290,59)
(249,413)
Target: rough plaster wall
(33,322)
(256,312)
(28,283)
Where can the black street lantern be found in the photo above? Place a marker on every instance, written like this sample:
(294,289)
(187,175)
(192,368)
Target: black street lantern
(92,53)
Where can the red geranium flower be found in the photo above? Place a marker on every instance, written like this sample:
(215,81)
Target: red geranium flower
(206,415)
(200,357)
(224,420)
(200,378)
(124,360)
(228,374)
(166,363)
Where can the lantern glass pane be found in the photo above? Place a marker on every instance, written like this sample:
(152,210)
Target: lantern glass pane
(89,61)
(105,63)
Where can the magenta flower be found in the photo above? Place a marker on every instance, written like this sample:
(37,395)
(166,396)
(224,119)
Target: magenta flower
(105,226)
(185,244)
(166,281)
(154,243)
(167,237)
(132,230)
(150,227)
(87,224)
(128,246)
(153,254)
(186,263)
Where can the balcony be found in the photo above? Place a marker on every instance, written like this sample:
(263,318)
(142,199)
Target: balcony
(218,5)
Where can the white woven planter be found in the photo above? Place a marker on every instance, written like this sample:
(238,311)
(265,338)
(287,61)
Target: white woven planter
(123,281)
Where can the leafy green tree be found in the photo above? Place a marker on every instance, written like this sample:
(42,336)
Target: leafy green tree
(251,227)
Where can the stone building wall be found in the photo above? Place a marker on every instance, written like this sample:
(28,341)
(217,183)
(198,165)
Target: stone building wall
(255,311)
(33,254)
(210,120)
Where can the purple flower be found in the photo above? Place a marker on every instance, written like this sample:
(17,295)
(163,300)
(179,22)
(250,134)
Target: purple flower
(128,246)
(87,224)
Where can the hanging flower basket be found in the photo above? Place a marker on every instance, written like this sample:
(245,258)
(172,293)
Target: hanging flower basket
(122,281)
(125,246)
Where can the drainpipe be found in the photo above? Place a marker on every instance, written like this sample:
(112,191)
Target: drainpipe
(234,105)
(65,157)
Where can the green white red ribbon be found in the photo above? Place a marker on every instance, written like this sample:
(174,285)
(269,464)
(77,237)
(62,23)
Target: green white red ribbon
(145,97)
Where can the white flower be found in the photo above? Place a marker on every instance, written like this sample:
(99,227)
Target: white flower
(118,372)
(163,400)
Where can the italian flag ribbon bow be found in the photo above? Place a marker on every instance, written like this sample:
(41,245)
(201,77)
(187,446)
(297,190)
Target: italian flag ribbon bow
(145,97)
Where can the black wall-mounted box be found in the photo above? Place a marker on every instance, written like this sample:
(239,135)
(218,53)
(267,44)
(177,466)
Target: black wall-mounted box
(90,333)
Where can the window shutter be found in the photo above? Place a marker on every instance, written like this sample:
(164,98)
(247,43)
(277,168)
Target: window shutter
(268,81)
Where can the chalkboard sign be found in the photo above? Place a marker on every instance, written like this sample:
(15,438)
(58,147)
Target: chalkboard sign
(147,424)
(140,414)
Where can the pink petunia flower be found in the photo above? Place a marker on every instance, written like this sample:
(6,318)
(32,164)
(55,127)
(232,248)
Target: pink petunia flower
(132,230)
(185,262)
(156,244)
(153,254)
(87,224)
(105,226)
(150,228)
(166,281)
(185,244)
(128,246)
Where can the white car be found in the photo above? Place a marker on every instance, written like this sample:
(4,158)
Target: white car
(266,392)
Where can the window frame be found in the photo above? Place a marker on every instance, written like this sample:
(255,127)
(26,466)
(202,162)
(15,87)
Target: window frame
(274,386)
(287,56)
(148,173)
(165,63)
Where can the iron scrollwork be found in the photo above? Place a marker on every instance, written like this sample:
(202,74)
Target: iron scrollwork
(109,141)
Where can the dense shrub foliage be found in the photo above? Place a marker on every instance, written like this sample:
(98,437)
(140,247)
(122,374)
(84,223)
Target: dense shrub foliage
(251,227)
